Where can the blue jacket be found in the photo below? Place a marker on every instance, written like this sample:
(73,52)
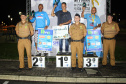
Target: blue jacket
(41,18)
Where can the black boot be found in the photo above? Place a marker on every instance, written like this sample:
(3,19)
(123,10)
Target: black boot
(20,69)
(81,69)
(60,53)
(73,68)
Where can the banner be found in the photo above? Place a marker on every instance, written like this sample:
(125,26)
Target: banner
(45,38)
(60,32)
(93,40)
(73,6)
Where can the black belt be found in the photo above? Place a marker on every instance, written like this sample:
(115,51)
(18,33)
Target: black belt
(75,40)
(24,37)
(71,40)
(109,38)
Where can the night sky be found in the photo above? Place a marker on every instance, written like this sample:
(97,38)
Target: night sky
(12,8)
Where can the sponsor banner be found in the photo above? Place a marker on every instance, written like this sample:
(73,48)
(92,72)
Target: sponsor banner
(93,40)
(45,38)
(60,32)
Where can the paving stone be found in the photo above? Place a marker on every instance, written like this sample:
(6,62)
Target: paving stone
(11,68)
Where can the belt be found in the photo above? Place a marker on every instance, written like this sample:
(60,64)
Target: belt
(24,37)
(75,40)
(109,38)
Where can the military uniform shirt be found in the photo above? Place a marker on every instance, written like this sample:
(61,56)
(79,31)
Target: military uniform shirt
(77,31)
(110,30)
(24,29)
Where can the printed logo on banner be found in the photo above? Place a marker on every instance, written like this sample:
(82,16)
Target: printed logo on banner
(44,32)
(55,43)
(79,3)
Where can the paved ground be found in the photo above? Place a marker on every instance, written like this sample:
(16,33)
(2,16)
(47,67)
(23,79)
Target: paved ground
(11,68)
(9,71)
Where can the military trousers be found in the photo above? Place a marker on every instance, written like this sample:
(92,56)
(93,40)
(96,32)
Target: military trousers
(22,45)
(77,48)
(109,45)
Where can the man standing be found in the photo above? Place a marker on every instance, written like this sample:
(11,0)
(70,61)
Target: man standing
(77,32)
(109,30)
(24,29)
(93,21)
(40,18)
(64,18)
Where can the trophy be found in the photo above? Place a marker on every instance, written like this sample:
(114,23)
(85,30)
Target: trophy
(56,2)
(84,4)
(33,13)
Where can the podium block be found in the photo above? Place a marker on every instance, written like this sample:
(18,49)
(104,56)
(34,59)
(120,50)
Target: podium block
(90,62)
(38,61)
(63,61)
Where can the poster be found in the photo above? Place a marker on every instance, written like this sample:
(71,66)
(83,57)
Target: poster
(45,38)
(60,32)
(93,40)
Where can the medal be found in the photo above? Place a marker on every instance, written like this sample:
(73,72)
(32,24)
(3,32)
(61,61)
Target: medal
(93,18)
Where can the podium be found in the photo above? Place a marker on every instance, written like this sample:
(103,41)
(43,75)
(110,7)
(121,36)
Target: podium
(38,61)
(90,61)
(63,61)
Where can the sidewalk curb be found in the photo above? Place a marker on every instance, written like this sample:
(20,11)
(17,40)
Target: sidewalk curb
(63,79)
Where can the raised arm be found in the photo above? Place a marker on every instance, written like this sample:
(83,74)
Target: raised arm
(82,14)
(53,14)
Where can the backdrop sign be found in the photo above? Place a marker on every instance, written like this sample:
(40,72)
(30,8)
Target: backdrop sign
(93,40)
(60,32)
(45,40)
(79,3)
(73,6)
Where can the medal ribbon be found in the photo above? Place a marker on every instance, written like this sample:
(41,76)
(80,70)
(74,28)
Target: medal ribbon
(93,18)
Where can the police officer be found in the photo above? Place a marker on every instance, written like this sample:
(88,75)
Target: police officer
(109,30)
(77,32)
(24,29)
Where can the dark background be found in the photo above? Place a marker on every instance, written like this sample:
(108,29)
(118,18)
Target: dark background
(12,8)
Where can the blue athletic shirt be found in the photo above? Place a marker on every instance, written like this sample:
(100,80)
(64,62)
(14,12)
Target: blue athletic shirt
(89,21)
(41,18)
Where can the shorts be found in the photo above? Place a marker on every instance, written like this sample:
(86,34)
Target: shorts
(36,36)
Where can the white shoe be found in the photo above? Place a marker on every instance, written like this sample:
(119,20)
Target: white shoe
(36,52)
